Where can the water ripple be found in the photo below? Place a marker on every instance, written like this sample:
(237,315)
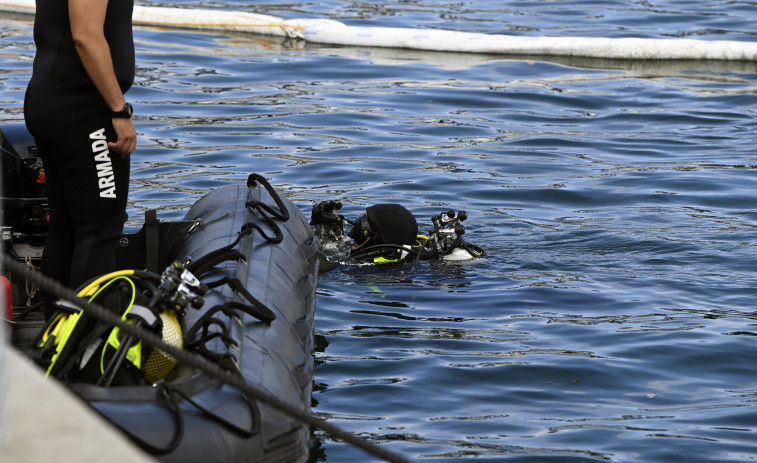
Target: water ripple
(613,318)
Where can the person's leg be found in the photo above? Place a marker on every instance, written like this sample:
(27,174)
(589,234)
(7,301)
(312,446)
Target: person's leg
(96,190)
(88,196)
(59,245)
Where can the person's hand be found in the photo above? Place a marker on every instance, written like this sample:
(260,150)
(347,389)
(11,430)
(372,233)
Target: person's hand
(127,137)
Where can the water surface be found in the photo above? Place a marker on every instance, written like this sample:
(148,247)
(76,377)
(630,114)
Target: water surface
(614,317)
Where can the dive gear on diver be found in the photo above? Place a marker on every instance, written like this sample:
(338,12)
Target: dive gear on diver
(388,233)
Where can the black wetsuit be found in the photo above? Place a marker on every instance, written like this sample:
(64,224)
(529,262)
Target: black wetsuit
(87,185)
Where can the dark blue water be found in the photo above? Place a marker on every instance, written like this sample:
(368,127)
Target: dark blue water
(614,318)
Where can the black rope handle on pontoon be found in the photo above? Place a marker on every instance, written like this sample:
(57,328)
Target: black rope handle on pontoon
(283,213)
(178,433)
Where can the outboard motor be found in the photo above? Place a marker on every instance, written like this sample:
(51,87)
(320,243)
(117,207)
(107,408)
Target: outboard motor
(24,213)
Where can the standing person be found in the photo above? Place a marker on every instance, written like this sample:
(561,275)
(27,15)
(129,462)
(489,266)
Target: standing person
(76,110)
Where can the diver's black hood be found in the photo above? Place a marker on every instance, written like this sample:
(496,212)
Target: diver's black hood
(389,224)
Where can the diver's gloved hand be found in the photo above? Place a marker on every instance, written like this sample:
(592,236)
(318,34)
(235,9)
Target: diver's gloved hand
(325,213)
(327,223)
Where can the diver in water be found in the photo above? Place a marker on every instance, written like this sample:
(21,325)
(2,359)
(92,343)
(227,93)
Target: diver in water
(388,233)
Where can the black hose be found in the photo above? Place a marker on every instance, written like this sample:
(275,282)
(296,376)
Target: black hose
(378,249)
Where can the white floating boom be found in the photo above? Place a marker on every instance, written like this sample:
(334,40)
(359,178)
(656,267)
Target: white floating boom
(336,33)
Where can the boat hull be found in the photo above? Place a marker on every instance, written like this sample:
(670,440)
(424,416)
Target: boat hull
(190,417)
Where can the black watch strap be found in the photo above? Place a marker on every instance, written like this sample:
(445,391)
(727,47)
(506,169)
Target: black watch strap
(124,113)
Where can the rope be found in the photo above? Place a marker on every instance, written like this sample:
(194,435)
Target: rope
(198,363)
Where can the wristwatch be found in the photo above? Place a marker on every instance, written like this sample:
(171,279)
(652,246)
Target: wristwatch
(124,113)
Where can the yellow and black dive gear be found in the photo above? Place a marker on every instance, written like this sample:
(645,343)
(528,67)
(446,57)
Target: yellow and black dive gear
(77,347)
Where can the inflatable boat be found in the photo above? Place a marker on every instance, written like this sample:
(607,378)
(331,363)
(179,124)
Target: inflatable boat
(234,281)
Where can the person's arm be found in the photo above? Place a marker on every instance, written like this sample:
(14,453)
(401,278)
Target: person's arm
(87,22)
